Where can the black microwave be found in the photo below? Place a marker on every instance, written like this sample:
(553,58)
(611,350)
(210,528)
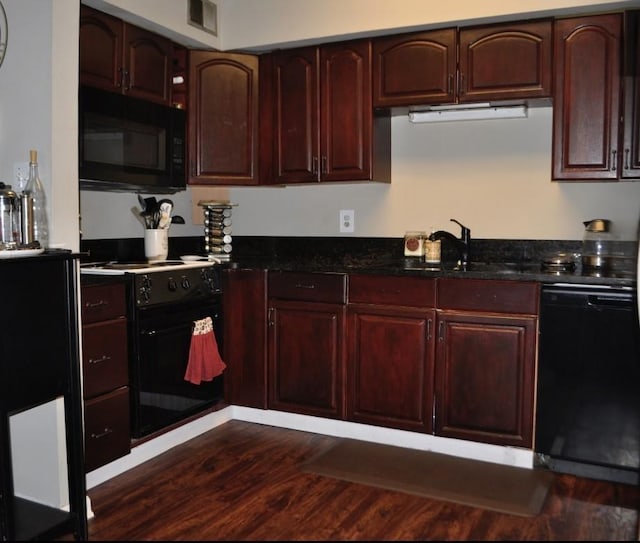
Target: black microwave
(130,145)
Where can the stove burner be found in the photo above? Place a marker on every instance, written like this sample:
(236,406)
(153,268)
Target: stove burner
(558,263)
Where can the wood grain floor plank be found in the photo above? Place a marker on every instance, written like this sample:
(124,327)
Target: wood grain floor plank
(242,482)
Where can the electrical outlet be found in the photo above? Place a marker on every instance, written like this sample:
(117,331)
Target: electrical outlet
(347,220)
(20,175)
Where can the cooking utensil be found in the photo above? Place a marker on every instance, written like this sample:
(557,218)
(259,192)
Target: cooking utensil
(164,218)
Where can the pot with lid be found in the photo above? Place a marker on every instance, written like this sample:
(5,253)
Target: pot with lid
(597,245)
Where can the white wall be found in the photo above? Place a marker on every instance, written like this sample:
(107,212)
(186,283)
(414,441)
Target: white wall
(38,110)
(265,24)
(494,176)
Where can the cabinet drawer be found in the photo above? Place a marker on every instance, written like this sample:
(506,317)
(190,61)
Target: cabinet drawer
(107,435)
(104,356)
(388,290)
(311,287)
(102,302)
(488,295)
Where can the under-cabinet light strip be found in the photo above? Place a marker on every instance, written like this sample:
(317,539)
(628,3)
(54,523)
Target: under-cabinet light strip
(510,112)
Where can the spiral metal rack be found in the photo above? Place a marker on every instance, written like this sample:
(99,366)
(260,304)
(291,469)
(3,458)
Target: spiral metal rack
(217,228)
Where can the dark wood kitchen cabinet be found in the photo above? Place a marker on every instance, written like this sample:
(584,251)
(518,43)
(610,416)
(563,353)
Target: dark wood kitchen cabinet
(390,330)
(245,336)
(120,57)
(325,126)
(630,156)
(229,111)
(506,61)
(105,366)
(587,112)
(306,346)
(485,360)
(39,364)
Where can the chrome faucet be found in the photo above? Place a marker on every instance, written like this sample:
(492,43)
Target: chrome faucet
(462,244)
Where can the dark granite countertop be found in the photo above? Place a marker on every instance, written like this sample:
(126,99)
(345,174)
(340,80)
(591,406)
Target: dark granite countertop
(512,260)
(511,271)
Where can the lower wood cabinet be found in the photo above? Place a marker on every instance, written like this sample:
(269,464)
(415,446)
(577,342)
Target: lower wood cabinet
(306,348)
(107,428)
(245,337)
(390,359)
(446,356)
(485,361)
(105,373)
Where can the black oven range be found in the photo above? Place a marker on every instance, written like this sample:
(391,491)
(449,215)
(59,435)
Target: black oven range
(164,300)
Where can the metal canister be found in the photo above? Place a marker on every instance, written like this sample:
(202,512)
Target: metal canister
(9,217)
(26,219)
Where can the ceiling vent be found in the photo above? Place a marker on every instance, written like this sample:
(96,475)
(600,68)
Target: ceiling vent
(204,15)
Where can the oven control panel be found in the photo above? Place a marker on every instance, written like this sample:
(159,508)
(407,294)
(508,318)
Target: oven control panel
(167,286)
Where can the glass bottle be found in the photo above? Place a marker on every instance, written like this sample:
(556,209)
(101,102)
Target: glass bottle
(35,190)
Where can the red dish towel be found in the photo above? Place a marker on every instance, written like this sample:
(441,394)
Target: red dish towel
(205,362)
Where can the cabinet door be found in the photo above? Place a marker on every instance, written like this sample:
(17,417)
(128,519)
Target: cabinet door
(107,428)
(245,337)
(416,68)
(345,111)
(105,364)
(223,118)
(390,368)
(586,97)
(101,49)
(296,115)
(485,375)
(306,358)
(148,61)
(631,117)
(505,62)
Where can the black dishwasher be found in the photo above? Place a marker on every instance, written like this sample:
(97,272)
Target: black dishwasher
(588,399)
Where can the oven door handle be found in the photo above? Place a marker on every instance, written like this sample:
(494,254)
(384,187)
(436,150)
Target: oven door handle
(153,332)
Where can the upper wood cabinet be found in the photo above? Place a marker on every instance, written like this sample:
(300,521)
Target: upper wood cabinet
(586,112)
(509,61)
(224,119)
(417,68)
(630,157)
(123,58)
(596,133)
(325,128)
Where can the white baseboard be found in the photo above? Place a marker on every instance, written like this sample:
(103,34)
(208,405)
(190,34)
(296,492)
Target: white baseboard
(509,456)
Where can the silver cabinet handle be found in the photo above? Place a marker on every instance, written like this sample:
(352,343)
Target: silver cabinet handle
(103,358)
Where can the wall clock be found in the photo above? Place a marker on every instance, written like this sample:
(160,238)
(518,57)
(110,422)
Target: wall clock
(3,33)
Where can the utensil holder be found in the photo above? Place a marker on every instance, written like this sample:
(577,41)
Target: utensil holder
(156,244)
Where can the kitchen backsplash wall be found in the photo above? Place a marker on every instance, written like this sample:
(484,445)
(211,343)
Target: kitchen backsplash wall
(493,176)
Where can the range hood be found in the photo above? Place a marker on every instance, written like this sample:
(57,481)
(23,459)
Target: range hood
(467,112)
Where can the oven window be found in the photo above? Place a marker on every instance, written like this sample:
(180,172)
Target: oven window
(161,395)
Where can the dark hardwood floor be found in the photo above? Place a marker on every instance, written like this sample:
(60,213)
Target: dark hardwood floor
(241,481)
